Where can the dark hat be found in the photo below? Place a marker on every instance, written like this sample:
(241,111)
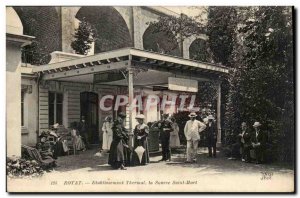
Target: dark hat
(82,117)
(165,115)
(73,125)
(122,115)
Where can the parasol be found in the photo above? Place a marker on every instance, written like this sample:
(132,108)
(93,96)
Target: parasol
(140,151)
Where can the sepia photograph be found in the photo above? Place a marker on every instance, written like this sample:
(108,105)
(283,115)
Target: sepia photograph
(150,99)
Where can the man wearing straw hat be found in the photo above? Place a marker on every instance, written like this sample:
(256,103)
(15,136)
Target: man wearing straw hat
(259,141)
(191,131)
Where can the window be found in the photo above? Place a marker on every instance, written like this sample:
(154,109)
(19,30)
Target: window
(55,108)
(22,108)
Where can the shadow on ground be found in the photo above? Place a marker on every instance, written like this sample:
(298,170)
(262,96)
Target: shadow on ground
(85,159)
(220,164)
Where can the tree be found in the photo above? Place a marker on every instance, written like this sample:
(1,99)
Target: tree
(36,54)
(178,28)
(267,80)
(221,26)
(84,37)
(257,44)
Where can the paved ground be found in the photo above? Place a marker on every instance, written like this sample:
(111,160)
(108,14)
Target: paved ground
(208,174)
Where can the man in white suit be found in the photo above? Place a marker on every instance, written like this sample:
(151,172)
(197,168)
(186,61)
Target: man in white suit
(191,131)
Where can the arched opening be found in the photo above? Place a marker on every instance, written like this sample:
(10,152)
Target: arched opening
(160,42)
(198,50)
(111,29)
(44,23)
(13,22)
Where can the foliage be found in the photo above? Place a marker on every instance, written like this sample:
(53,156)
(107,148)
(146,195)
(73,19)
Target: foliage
(220,30)
(199,50)
(21,167)
(257,44)
(84,37)
(35,54)
(267,80)
(178,27)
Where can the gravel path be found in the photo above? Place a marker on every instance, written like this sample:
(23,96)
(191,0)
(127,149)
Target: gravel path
(93,174)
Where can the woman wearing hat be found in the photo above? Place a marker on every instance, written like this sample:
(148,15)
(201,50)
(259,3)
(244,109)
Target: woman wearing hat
(118,155)
(107,133)
(140,154)
(174,136)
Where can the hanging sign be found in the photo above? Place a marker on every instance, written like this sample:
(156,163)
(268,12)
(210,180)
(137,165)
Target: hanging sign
(108,77)
(182,84)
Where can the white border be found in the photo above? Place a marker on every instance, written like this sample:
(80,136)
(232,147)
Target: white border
(4,3)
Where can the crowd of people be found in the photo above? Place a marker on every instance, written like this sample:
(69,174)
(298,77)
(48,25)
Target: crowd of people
(115,139)
(121,155)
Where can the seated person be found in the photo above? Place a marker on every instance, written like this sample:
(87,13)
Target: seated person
(259,141)
(243,141)
(77,141)
(44,148)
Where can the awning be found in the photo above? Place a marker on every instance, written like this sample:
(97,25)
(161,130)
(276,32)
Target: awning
(125,58)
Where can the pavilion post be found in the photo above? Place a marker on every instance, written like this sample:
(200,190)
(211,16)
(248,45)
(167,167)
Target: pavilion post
(219,143)
(130,99)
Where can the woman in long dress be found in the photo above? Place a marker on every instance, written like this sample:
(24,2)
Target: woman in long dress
(118,154)
(107,133)
(141,133)
(77,141)
(174,135)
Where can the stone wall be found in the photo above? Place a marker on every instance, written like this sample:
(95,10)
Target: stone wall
(45,24)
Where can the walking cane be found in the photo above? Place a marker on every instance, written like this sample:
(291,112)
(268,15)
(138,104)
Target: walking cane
(170,152)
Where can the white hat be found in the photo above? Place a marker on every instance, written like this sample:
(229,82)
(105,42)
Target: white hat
(256,124)
(55,125)
(140,116)
(193,114)
(210,117)
(107,118)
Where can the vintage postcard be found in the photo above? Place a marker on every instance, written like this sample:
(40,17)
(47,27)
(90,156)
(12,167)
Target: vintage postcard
(150,99)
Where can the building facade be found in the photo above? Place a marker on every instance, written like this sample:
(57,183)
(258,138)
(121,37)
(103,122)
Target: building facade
(42,99)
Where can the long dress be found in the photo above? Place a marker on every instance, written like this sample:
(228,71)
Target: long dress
(118,154)
(174,136)
(78,143)
(141,130)
(107,135)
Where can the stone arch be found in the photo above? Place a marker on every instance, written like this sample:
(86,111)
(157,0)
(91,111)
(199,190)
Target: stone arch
(42,22)
(13,22)
(160,42)
(198,50)
(112,30)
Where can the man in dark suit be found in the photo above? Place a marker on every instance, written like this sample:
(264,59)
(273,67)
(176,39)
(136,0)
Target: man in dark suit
(165,126)
(259,140)
(83,131)
(211,131)
(243,142)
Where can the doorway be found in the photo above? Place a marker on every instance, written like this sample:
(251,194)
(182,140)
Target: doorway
(89,109)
